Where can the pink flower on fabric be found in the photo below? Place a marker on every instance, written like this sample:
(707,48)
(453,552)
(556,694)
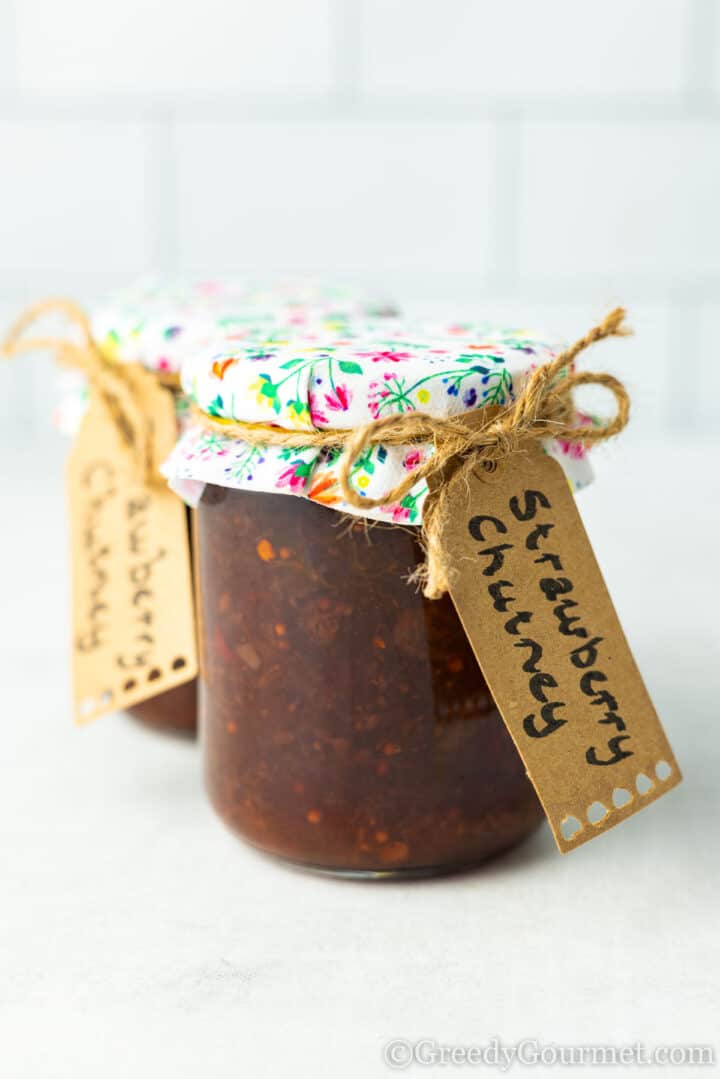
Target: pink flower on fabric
(339,399)
(376,397)
(316,414)
(575,450)
(211,450)
(412,459)
(400,513)
(293,477)
(387,355)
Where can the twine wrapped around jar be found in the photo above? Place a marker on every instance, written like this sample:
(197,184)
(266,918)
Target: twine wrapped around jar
(480,437)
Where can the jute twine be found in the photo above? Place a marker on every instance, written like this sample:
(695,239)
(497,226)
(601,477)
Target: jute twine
(477,438)
(119,385)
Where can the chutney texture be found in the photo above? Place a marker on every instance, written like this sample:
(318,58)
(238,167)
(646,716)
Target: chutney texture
(345,722)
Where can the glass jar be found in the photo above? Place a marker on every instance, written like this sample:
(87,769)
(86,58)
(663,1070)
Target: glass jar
(175,710)
(345,722)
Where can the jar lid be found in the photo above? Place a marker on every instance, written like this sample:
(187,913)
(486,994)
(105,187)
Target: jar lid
(160,324)
(343,382)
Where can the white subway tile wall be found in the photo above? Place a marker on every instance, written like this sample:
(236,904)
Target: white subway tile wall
(622,200)
(73,194)
(706,383)
(523,49)
(139,48)
(521,160)
(381,197)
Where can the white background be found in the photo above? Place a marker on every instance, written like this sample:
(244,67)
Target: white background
(534,160)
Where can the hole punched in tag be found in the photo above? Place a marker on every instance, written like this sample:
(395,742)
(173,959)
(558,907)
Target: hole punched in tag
(598,812)
(643,784)
(570,827)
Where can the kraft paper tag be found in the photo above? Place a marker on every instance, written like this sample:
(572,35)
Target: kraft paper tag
(132,601)
(536,610)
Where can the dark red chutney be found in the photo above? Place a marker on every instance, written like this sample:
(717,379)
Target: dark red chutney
(346,725)
(175,710)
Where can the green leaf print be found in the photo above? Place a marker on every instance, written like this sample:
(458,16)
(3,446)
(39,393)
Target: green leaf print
(350,367)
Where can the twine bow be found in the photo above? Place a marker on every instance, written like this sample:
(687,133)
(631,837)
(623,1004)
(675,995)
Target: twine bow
(118,385)
(544,409)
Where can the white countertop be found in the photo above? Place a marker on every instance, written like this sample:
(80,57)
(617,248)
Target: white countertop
(138,937)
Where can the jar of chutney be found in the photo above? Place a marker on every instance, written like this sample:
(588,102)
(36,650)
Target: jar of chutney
(345,723)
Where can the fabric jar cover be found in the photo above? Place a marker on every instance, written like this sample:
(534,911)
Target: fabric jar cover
(160,324)
(342,382)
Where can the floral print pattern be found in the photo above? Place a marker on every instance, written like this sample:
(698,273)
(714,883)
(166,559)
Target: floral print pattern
(160,324)
(342,381)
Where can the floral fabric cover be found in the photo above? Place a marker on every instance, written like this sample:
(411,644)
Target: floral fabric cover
(345,381)
(160,324)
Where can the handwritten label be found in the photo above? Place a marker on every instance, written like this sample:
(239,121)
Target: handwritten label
(537,612)
(132,604)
